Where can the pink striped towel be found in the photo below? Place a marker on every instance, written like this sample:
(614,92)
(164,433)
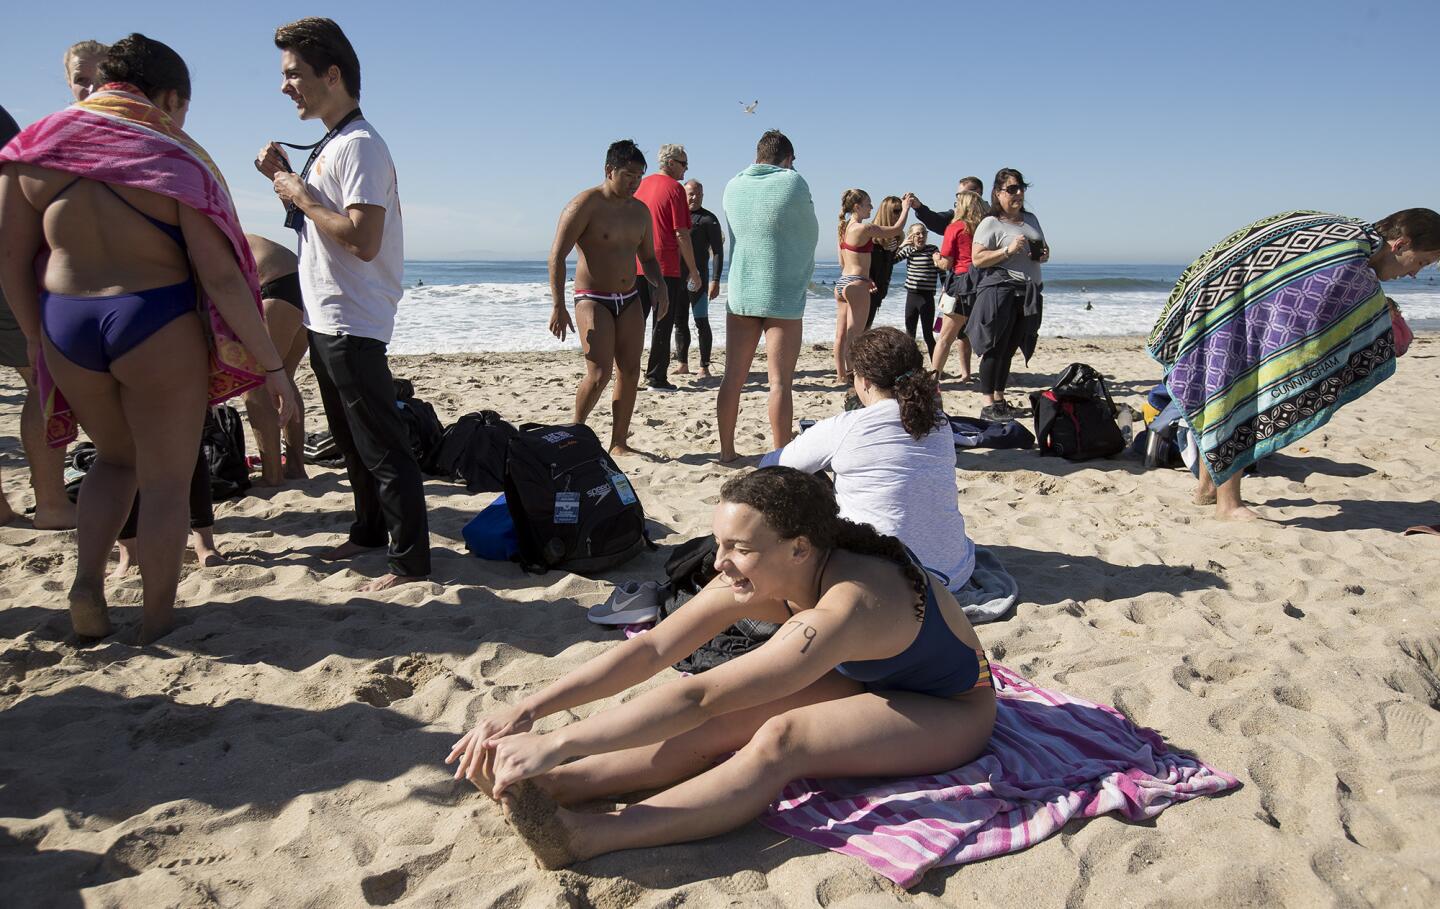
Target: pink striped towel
(1052,758)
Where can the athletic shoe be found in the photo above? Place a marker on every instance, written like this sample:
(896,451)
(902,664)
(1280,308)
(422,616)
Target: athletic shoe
(663,386)
(631,603)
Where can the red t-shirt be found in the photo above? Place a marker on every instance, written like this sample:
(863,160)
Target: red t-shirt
(669,212)
(958,247)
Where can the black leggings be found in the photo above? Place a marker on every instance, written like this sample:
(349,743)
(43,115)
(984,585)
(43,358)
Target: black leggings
(202,505)
(702,329)
(920,307)
(995,363)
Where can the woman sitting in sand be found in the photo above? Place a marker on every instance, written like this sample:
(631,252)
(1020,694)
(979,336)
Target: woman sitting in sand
(894,459)
(853,289)
(875,672)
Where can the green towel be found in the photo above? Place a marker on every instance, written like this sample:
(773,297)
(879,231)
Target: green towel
(773,232)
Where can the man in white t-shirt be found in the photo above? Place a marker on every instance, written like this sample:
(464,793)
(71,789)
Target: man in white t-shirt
(345,205)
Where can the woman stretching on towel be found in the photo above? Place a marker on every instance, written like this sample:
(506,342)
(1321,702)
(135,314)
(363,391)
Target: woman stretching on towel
(1278,326)
(853,289)
(875,672)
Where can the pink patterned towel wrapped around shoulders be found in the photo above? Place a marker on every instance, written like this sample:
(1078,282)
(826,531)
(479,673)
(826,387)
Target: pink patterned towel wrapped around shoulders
(117,136)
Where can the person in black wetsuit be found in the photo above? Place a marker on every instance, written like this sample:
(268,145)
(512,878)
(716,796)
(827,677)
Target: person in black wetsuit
(938,221)
(707,239)
(874,672)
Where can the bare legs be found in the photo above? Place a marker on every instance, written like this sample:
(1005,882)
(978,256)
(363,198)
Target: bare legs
(1229,506)
(283,322)
(144,417)
(950,328)
(828,730)
(610,345)
(783,338)
(53,509)
(851,311)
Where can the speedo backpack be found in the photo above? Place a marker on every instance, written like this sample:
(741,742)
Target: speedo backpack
(573,508)
(1075,419)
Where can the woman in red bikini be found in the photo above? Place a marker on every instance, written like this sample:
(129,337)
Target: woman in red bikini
(852,290)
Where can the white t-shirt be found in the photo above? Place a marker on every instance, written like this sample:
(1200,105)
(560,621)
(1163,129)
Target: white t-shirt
(890,481)
(343,293)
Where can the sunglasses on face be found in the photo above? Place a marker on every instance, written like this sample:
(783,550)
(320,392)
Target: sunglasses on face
(1014,189)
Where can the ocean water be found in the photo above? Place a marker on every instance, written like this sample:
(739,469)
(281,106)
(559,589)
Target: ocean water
(471,306)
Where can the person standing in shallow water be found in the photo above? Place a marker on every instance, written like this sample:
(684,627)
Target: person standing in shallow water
(875,672)
(345,204)
(613,230)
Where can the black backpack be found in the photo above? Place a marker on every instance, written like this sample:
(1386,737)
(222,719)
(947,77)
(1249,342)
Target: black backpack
(1075,419)
(421,422)
(222,444)
(573,508)
(473,451)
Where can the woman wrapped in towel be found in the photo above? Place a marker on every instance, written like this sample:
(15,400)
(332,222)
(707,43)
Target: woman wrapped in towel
(1278,326)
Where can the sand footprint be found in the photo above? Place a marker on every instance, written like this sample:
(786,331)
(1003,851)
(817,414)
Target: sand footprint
(388,886)
(1405,725)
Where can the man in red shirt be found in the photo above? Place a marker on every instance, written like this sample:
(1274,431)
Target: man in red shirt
(663,194)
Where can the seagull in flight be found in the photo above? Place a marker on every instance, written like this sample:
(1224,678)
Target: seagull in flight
(750,108)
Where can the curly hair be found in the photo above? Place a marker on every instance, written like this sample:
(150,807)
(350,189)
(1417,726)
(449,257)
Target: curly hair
(147,64)
(797,504)
(891,361)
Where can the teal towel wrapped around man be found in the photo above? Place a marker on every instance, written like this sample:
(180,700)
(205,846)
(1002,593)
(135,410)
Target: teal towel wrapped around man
(773,232)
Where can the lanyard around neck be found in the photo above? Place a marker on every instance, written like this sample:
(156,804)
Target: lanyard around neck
(315,148)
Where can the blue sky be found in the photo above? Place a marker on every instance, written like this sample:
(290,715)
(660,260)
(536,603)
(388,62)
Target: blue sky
(1149,130)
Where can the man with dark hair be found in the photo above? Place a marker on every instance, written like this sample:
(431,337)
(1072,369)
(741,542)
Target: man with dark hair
(345,204)
(938,221)
(708,241)
(53,509)
(613,230)
(670,223)
(774,148)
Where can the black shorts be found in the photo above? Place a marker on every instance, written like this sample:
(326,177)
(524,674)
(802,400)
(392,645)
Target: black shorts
(285,287)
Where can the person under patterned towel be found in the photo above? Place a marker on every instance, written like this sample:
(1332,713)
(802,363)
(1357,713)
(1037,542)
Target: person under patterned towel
(875,672)
(1278,326)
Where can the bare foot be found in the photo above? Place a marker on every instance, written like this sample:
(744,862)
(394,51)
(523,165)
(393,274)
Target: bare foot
(89,615)
(683,369)
(617,451)
(127,558)
(1238,513)
(1204,498)
(537,820)
(727,457)
(57,517)
(295,468)
(705,373)
(149,633)
(345,550)
(207,554)
(386,581)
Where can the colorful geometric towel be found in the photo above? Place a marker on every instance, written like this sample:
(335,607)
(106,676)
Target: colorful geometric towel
(1271,331)
(117,136)
(1051,758)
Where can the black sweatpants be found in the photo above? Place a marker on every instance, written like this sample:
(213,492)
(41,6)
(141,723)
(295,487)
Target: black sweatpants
(995,363)
(358,394)
(920,306)
(702,328)
(657,368)
(202,503)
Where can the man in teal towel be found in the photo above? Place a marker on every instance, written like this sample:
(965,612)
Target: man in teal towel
(773,232)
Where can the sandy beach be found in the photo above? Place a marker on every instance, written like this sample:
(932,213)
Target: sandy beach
(283,746)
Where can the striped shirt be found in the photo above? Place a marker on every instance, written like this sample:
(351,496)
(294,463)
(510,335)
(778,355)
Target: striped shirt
(920,270)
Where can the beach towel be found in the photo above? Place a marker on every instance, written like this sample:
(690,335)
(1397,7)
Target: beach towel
(117,136)
(773,232)
(1272,331)
(991,591)
(1052,758)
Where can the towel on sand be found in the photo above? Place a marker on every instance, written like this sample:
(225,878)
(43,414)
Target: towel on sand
(773,232)
(1052,758)
(991,591)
